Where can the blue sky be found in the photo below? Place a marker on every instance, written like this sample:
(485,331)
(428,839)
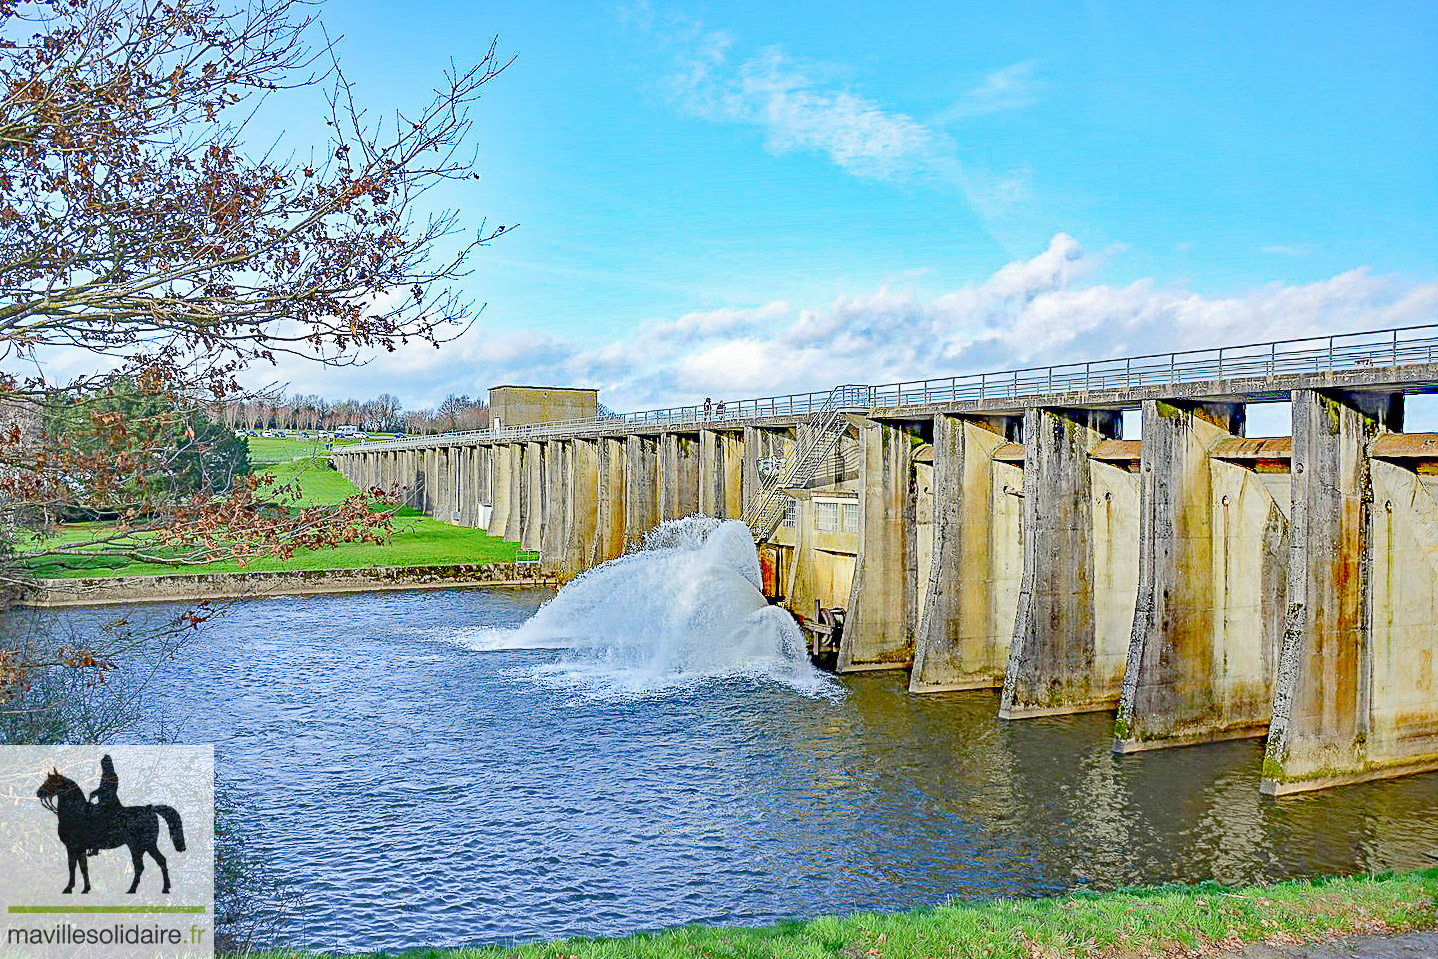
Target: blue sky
(741,198)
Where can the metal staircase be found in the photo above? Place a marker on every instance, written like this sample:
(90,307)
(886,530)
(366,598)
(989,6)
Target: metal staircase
(816,440)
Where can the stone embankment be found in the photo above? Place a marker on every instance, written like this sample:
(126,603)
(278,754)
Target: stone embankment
(191,587)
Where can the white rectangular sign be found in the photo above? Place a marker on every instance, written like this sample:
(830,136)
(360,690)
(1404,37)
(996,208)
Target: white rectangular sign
(108,851)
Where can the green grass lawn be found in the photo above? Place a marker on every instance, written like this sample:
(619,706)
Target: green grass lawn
(418,540)
(1163,921)
(267,450)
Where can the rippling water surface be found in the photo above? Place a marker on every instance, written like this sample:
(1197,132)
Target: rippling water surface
(421,783)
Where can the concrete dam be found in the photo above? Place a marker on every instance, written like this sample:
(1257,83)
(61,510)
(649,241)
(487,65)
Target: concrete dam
(997,531)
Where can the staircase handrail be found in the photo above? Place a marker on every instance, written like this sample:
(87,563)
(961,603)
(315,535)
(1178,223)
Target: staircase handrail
(816,440)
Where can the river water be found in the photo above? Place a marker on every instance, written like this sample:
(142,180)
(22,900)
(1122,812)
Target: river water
(449,767)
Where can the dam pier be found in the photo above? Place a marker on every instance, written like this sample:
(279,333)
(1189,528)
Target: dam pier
(998,531)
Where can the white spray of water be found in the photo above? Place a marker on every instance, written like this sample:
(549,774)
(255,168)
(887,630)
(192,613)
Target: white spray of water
(684,610)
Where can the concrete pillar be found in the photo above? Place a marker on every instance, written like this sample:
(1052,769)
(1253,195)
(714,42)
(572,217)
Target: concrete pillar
(464,489)
(881,616)
(711,474)
(1202,649)
(1075,610)
(641,487)
(501,466)
(404,475)
(466,498)
(721,473)
(678,475)
(731,466)
(554,536)
(1325,702)
(532,526)
(968,617)
(483,476)
(417,460)
(465,473)
(581,508)
(518,494)
(436,483)
(431,479)
(449,471)
(609,538)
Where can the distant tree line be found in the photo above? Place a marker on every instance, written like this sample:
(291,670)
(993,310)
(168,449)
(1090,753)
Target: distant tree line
(382,414)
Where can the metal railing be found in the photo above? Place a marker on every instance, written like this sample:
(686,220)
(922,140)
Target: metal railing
(1393,348)
(1408,346)
(816,441)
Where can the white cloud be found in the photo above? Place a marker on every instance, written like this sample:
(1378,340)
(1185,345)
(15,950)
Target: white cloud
(1010,88)
(1052,307)
(799,110)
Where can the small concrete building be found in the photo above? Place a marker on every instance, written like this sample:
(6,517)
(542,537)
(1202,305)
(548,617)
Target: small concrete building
(522,405)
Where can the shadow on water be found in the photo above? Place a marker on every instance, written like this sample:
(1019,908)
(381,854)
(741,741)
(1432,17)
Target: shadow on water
(421,791)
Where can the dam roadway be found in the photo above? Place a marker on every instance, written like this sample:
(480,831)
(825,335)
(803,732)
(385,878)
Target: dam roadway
(996,531)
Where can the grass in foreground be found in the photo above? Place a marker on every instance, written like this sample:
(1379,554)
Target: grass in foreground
(419,540)
(1189,921)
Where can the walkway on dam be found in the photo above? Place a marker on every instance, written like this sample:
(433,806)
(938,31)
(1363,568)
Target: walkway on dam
(1258,372)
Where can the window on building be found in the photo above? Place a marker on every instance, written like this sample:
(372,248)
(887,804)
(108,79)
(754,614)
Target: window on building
(826,516)
(791,512)
(851,517)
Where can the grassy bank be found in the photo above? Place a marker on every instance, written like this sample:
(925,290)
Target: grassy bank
(419,540)
(1166,921)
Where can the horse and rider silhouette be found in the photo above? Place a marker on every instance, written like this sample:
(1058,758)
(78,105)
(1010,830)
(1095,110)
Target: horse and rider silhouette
(87,826)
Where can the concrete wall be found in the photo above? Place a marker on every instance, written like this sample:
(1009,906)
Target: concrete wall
(609,541)
(679,475)
(518,493)
(1075,609)
(973,582)
(501,465)
(882,613)
(534,503)
(579,539)
(721,474)
(641,488)
(821,567)
(1212,569)
(1403,713)
(554,536)
(521,405)
(1352,701)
